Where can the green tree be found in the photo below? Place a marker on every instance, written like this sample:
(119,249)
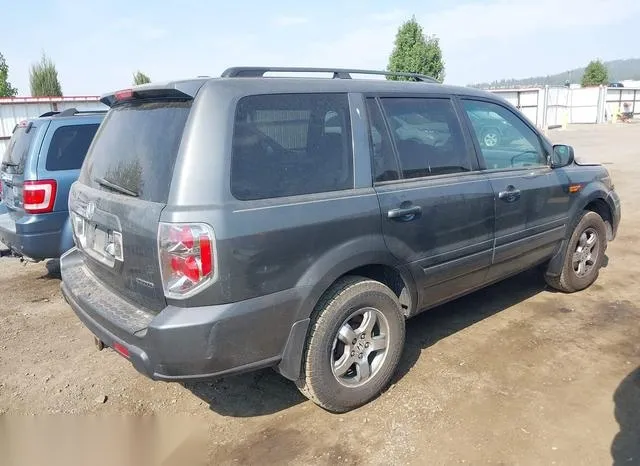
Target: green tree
(595,74)
(43,78)
(140,78)
(6,89)
(414,52)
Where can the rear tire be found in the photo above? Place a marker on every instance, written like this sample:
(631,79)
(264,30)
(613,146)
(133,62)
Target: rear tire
(584,255)
(354,344)
(53,268)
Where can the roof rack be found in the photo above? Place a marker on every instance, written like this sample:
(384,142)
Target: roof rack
(70,112)
(338,73)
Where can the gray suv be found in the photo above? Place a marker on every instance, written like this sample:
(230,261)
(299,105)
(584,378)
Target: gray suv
(230,224)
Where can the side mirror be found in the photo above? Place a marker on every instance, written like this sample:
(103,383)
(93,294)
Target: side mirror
(562,156)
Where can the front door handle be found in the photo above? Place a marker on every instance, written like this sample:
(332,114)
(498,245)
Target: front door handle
(511,194)
(405,213)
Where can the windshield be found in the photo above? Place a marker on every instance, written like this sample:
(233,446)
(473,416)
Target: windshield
(134,150)
(16,154)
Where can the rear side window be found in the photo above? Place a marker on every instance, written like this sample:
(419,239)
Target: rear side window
(136,148)
(291,144)
(69,146)
(428,136)
(20,143)
(385,166)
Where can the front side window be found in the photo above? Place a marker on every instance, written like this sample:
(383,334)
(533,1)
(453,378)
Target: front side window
(291,144)
(69,146)
(427,135)
(505,140)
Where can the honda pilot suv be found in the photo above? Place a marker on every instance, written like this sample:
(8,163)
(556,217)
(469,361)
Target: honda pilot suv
(235,223)
(42,160)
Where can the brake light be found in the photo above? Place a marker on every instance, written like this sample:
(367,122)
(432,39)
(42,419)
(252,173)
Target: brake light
(187,258)
(124,94)
(121,349)
(38,197)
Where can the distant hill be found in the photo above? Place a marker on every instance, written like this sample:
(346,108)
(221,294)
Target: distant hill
(618,70)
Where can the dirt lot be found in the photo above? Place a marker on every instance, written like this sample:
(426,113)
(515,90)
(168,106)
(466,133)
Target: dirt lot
(514,374)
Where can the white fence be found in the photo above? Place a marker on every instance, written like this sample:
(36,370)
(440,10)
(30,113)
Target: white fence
(553,106)
(16,109)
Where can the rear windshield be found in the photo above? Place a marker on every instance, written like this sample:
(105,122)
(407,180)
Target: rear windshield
(135,149)
(16,154)
(69,146)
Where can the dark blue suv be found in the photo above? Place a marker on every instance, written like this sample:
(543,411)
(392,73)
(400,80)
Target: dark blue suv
(42,160)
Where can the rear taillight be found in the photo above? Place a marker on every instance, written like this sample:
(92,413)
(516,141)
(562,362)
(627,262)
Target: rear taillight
(121,350)
(38,197)
(187,258)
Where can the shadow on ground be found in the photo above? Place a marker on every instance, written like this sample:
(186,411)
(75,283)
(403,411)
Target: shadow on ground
(266,392)
(434,325)
(626,445)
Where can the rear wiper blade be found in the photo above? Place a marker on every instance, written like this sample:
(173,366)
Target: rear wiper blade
(115,187)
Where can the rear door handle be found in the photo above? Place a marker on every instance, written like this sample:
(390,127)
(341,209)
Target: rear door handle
(510,195)
(404,213)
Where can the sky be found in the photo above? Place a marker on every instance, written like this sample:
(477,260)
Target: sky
(98,45)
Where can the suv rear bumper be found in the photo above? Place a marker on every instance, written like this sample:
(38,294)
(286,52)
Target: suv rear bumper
(35,236)
(182,343)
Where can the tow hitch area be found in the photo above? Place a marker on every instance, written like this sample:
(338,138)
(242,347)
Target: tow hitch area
(99,343)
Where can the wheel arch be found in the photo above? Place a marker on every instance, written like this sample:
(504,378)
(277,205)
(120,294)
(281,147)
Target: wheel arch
(367,257)
(600,206)
(593,200)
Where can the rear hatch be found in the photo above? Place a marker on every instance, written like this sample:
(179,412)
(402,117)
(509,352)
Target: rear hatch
(123,188)
(13,166)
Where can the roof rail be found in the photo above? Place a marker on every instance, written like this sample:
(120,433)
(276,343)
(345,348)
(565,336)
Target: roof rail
(70,112)
(338,73)
(67,112)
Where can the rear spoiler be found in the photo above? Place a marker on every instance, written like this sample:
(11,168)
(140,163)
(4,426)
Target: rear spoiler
(179,90)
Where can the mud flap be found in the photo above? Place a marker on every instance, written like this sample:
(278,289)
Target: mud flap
(291,364)
(554,267)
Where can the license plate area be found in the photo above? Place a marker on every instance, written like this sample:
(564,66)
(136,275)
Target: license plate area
(102,244)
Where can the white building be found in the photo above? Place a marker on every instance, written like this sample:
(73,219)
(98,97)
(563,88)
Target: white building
(13,110)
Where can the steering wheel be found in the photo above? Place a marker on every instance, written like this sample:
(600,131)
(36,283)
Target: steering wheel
(523,154)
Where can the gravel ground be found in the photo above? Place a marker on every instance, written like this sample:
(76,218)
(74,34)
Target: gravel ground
(513,374)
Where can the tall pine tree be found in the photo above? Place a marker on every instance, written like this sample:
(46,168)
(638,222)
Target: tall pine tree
(416,53)
(43,78)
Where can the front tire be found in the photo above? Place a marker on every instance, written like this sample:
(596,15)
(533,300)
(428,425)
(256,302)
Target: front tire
(584,255)
(354,344)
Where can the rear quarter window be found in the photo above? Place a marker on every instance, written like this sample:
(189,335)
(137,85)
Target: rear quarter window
(291,144)
(69,146)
